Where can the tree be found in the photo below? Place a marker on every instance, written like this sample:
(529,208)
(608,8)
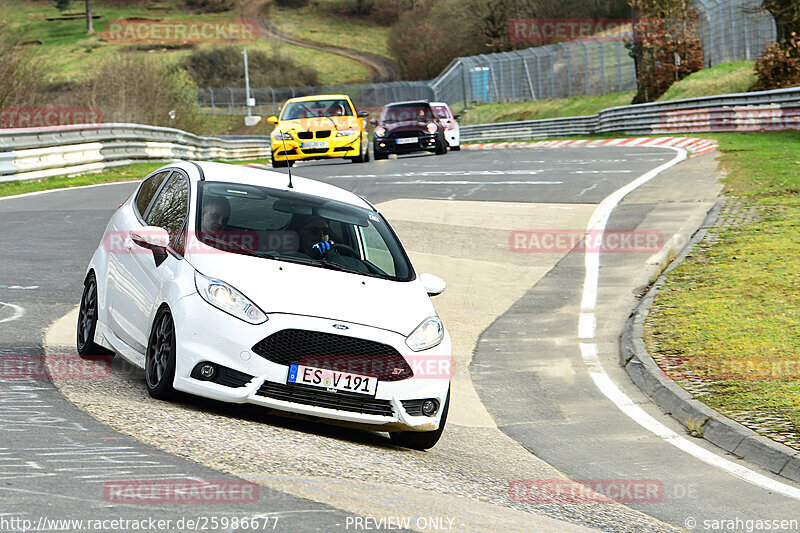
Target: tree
(779,65)
(665,46)
(63,5)
(787,17)
(21,71)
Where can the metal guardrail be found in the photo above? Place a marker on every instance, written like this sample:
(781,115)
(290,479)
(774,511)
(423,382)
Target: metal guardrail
(32,153)
(764,110)
(41,152)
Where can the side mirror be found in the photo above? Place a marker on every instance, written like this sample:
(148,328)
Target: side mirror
(152,238)
(373,121)
(272,119)
(363,113)
(433,284)
(456,117)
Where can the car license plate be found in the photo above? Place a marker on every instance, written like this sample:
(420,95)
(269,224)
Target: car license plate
(315,144)
(407,140)
(332,379)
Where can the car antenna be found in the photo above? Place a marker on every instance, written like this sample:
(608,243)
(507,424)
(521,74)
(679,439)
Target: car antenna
(288,163)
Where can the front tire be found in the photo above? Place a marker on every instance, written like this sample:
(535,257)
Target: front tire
(378,156)
(159,365)
(87,321)
(455,148)
(364,154)
(422,440)
(441,147)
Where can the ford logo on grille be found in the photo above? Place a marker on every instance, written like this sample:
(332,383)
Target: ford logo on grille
(340,326)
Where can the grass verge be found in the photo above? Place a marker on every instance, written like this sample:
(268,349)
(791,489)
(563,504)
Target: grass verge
(132,172)
(725,324)
(735,77)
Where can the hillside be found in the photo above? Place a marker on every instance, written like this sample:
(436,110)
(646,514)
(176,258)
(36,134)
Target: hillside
(72,54)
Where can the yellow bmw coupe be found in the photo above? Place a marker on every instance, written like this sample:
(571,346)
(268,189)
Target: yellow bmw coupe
(319,127)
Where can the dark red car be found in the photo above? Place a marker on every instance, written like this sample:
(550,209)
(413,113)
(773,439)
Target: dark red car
(406,127)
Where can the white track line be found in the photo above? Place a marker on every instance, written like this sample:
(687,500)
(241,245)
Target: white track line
(19,312)
(586,330)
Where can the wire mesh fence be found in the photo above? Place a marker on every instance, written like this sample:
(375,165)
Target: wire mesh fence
(729,30)
(733,30)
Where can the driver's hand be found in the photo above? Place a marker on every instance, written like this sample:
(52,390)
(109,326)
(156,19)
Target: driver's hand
(322,248)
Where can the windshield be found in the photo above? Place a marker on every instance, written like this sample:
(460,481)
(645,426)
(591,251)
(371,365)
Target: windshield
(403,113)
(286,226)
(317,108)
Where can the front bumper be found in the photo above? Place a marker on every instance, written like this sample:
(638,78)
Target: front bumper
(293,150)
(388,145)
(229,343)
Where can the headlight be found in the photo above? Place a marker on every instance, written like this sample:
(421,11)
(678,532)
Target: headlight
(431,127)
(280,136)
(427,335)
(346,132)
(226,298)
(379,131)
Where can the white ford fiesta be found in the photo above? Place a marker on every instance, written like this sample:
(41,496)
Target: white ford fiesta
(232,283)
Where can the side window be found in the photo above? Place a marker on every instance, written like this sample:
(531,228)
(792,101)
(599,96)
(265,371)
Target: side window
(171,207)
(148,190)
(376,251)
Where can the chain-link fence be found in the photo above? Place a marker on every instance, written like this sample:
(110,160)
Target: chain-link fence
(733,30)
(269,101)
(730,30)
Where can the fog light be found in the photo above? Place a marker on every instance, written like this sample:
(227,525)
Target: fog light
(429,407)
(207,372)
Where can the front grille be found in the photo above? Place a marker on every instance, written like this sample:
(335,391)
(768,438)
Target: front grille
(305,135)
(314,150)
(323,134)
(286,152)
(341,400)
(334,352)
(401,134)
(342,149)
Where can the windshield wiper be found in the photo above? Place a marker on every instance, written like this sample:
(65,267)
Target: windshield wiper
(226,245)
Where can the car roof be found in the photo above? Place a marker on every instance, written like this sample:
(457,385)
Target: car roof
(318,97)
(410,102)
(440,103)
(261,177)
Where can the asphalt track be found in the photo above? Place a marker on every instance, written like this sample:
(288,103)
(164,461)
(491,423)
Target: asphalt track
(527,367)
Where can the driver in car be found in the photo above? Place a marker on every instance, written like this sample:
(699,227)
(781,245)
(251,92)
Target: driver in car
(314,237)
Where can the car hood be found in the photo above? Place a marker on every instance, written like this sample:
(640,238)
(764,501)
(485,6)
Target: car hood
(290,288)
(319,123)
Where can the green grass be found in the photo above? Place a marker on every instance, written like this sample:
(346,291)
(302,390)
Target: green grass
(72,54)
(135,171)
(132,172)
(726,78)
(736,303)
(564,107)
(732,77)
(317,23)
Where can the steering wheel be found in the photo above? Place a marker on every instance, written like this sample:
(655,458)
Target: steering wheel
(345,250)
